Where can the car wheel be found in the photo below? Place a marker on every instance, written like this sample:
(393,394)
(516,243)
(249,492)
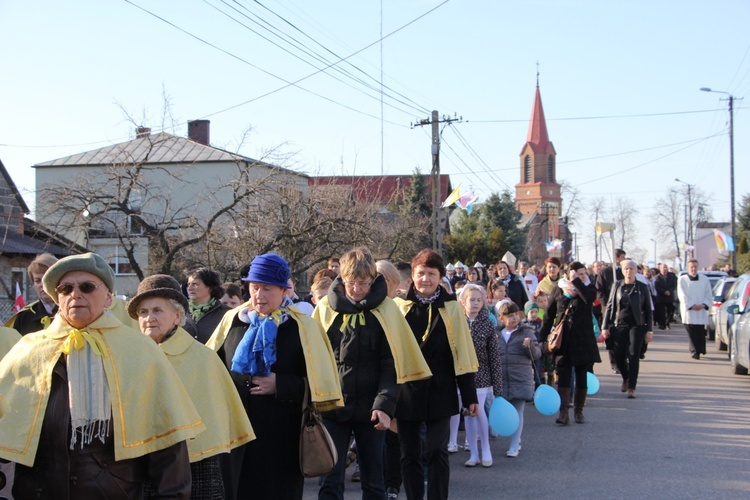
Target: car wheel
(736,367)
(719,344)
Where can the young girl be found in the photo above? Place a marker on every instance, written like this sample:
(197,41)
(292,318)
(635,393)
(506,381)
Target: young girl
(488,379)
(518,349)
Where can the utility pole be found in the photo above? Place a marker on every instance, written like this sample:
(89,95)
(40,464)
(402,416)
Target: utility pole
(438,223)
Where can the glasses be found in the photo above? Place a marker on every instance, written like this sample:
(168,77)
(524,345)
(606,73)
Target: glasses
(85,287)
(359,284)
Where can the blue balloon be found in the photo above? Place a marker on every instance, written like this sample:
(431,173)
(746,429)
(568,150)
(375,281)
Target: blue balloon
(503,417)
(546,400)
(592,383)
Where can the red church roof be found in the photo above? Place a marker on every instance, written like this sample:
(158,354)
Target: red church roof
(537,137)
(381,189)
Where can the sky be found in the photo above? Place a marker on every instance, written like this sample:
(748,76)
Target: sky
(619,82)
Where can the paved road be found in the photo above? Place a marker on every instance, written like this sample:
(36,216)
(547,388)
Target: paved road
(687,435)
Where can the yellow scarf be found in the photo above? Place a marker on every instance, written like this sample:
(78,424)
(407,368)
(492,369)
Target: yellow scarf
(8,338)
(322,375)
(459,335)
(150,408)
(213,392)
(407,357)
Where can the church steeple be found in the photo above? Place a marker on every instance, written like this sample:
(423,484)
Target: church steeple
(537,188)
(537,137)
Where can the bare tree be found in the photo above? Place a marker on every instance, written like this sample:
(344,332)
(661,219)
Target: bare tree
(667,218)
(596,209)
(623,212)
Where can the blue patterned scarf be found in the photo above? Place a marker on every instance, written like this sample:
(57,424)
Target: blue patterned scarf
(256,352)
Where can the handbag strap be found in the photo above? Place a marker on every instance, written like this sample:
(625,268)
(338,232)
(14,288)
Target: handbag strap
(306,397)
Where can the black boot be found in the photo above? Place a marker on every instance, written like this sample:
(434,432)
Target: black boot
(564,405)
(579,401)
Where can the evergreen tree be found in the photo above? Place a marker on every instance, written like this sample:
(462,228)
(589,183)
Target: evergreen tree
(417,198)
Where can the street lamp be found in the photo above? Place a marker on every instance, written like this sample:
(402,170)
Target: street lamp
(730,98)
(689,233)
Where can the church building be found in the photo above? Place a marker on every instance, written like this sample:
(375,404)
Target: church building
(538,195)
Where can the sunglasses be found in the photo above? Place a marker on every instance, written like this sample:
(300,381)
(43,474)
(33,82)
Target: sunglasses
(85,287)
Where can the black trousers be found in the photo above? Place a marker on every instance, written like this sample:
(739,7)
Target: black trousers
(565,374)
(628,345)
(696,338)
(392,461)
(436,455)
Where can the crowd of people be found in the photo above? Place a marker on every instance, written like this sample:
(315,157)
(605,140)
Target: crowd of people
(197,389)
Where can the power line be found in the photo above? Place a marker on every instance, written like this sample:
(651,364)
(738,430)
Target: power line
(642,164)
(300,46)
(602,117)
(288,83)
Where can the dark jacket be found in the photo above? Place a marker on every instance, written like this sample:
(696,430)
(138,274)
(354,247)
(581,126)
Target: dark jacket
(485,339)
(663,284)
(208,322)
(435,398)
(363,356)
(515,359)
(579,346)
(604,283)
(640,306)
(268,466)
(62,473)
(29,319)
(516,290)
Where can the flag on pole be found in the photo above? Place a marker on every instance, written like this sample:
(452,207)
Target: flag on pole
(453,197)
(724,242)
(553,245)
(19,304)
(467,202)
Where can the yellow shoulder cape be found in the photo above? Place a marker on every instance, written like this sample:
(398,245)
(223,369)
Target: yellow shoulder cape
(8,338)
(322,374)
(213,393)
(150,408)
(29,307)
(119,310)
(459,335)
(407,357)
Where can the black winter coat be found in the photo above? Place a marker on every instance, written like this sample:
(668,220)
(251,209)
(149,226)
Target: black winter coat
(435,398)
(29,319)
(663,284)
(205,326)
(579,347)
(268,466)
(639,302)
(363,356)
(516,290)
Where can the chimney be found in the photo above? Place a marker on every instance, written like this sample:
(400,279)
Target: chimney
(200,131)
(141,132)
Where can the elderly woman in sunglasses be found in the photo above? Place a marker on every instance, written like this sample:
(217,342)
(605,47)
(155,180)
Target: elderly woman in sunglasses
(98,411)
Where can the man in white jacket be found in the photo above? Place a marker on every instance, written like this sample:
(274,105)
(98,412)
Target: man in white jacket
(694,293)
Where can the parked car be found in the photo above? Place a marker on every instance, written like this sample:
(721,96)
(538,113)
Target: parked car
(739,337)
(723,320)
(721,293)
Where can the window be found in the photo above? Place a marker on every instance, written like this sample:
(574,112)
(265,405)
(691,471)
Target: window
(551,169)
(527,169)
(121,265)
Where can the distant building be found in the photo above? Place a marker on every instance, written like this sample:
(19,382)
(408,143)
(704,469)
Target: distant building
(538,195)
(706,250)
(183,180)
(21,240)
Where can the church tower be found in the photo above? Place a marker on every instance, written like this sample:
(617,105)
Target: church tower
(538,195)
(538,187)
